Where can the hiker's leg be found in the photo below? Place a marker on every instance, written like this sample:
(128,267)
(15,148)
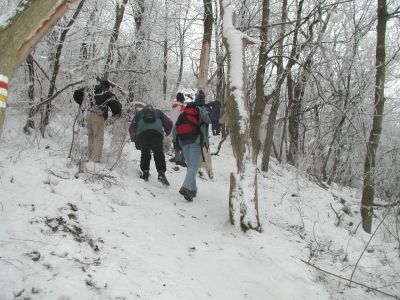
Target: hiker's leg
(145,156)
(157,148)
(192,154)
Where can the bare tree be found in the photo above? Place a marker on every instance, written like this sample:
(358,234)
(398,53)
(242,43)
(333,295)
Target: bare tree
(119,15)
(56,67)
(243,193)
(368,194)
(205,46)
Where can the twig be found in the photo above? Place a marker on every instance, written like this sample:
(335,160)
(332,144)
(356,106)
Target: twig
(366,246)
(54,174)
(337,215)
(219,145)
(27,240)
(10,263)
(351,281)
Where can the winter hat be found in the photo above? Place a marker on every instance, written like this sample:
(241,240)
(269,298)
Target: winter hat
(200,98)
(180,98)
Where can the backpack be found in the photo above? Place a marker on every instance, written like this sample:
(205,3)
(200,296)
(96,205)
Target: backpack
(149,115)
(79,95)
(188,123)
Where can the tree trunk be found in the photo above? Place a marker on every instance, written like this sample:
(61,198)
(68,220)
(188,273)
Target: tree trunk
(243,194)
(119,15)
(134,85)
(31,94)
(32,20)
(295,94)
(165,54)
(182,32)
(56,68)
(368,194)
(260,103)
(205,47)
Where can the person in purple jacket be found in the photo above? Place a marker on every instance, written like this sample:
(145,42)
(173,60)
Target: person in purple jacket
(147,132)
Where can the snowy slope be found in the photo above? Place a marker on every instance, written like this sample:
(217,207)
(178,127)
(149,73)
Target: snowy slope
(109,235)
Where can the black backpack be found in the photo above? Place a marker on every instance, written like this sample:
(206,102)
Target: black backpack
(149,115)
(78,95)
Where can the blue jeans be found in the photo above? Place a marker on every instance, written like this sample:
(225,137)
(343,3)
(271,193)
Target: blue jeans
(192,153)
(179,157)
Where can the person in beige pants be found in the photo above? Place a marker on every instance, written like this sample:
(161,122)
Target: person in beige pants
(95,125)
(102,99)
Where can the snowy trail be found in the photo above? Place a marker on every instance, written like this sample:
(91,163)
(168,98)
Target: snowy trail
(118,237)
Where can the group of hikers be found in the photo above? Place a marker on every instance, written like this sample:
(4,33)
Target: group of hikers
(188,124)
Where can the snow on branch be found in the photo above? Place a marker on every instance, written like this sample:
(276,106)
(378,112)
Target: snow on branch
(235,39)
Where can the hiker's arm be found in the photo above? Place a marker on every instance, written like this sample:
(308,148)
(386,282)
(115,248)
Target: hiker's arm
(115,106)
(205,117)
(133,128)
(166,122)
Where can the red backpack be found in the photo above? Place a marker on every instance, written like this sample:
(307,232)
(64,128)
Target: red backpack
(188,123)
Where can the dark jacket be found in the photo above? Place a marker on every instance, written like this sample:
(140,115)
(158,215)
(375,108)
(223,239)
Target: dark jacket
(102,99)
(161,124)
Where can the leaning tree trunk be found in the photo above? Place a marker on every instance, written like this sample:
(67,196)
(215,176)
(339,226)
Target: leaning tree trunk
(205,46)
(25,28)
(368,194)
(243,194)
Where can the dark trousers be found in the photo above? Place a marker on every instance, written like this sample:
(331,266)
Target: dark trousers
(151,141)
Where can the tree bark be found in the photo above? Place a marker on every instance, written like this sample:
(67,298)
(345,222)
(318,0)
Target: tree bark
(119,16)
(243,194)
(31,94)
(25,28)
(165,53)
(134,85)
(260,103)
(368,194)
(56,67)
(205,46)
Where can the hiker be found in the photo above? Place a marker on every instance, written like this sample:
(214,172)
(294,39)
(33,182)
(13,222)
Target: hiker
(147,132)
(190,133)
(214,110)
(177,108)
(101,99)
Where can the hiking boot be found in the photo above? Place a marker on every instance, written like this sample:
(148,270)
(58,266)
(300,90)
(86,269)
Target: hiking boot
(194,194)
(145,175)
(186,193)
(163,179)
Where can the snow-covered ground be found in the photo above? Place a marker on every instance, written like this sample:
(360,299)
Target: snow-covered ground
(110,235)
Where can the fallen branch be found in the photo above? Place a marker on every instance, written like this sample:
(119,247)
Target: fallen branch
(351,281)
(369,241)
